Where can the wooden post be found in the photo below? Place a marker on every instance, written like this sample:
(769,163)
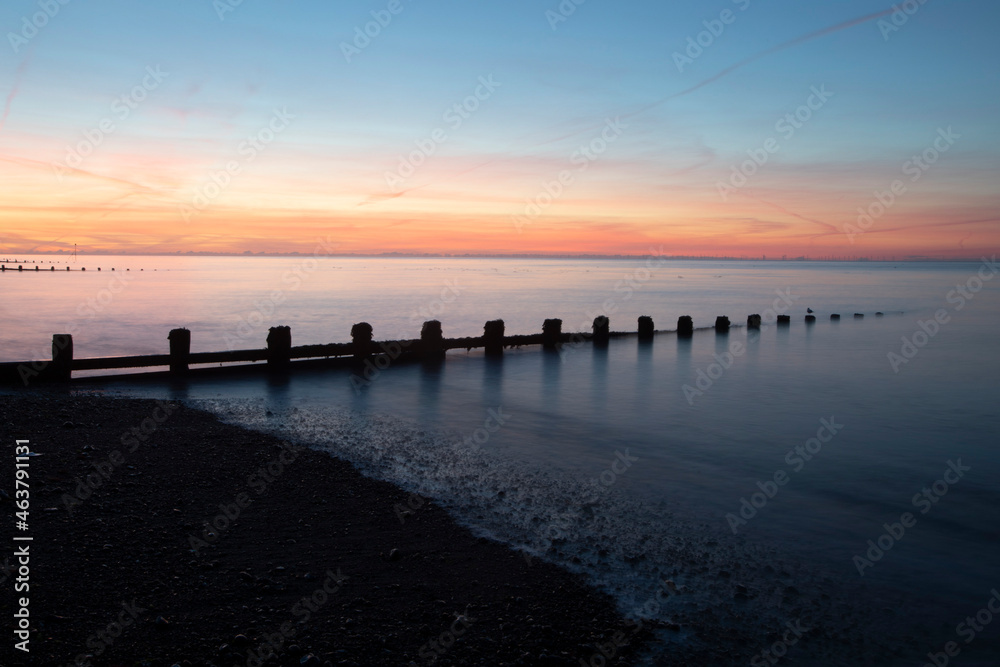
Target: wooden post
(721,324)
(602,330)
(685,326)
(858,316)
(834,316)
(180,350)
(551,334)
(62,357)
(753,321)
(493,332)
(431,340)
(646,327)
(279,347)
(361,336)
(784,320)
(810,319)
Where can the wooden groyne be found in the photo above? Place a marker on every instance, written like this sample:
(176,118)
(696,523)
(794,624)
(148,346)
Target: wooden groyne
(19,268)
(280,354)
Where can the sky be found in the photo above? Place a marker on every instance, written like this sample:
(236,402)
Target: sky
(720,128)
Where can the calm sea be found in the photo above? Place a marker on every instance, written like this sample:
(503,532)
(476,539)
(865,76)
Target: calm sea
(750,471)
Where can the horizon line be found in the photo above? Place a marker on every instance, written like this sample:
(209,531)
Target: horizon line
(390,255)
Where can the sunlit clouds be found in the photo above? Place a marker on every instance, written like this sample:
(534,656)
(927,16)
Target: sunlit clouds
(489,129)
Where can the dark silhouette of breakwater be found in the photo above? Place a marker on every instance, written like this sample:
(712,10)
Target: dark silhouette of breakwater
(281,355)
(37,268)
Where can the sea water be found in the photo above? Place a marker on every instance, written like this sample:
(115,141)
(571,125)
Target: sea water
(845,471)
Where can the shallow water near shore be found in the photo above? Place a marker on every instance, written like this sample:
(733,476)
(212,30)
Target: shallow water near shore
(631,464)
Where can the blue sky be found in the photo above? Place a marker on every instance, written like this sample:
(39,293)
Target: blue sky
(226,75)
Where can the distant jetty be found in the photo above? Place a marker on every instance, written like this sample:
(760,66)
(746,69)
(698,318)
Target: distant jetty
(280,355)
(24,267)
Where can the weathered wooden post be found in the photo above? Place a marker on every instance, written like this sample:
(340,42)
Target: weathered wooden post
(602,330)
(685,326)
(20,268)
(784,320)
(722,324)
(361,336)
(834,316)
(753,321)
(431,340)
(180,350)
(858,316)
(279,347)
(61,368)
(646,328)
(551,334)
(810,319)
(493,332)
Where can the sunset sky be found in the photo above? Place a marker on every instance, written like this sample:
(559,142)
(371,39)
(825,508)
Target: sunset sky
(202,126)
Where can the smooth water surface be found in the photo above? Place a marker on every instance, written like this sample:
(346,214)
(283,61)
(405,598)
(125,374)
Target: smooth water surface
(631,463)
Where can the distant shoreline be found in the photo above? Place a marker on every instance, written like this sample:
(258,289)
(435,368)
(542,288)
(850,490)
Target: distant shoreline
(690,258)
